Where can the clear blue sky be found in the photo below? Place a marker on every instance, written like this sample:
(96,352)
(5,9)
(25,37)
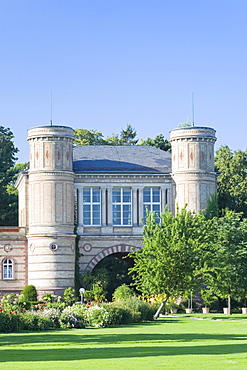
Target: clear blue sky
(114,62)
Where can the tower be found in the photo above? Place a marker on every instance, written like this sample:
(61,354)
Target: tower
(193,173)
(50,222)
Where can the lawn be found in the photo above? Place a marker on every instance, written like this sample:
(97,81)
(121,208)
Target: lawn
(168,343)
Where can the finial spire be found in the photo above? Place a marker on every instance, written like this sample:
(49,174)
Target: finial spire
(51,109)
(193,111)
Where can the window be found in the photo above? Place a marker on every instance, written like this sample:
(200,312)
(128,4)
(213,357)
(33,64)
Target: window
(151,201)
(121,206)
(7,269)
(91,207)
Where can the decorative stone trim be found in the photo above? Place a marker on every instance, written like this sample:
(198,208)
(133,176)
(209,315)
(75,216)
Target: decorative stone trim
(120,248)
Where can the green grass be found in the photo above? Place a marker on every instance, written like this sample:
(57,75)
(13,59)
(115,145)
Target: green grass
(169,343)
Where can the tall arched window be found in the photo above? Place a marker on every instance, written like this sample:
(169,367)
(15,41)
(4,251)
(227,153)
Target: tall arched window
(7,269)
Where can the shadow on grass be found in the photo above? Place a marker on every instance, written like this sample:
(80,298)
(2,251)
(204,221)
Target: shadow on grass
(109,352)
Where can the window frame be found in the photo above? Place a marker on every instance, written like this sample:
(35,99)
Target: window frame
(91,205)
(151,203)
(121,205)
(7,263)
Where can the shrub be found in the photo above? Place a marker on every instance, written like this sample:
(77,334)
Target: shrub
(69,296)
(137,305)
(118,315)
(9,322)
(9,302)
(49,298)
(96,316)
(34,322)
(29,293)
(53,314)
(73,317)
(122,292)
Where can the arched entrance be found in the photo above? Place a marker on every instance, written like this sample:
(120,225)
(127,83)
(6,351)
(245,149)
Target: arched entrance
(111,271)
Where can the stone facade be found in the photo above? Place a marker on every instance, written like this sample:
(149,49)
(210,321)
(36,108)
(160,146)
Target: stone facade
(108,190)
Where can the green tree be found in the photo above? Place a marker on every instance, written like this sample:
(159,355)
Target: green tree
(93,137)
(8,209)
(228,275)
(88,137)
(172,258)
(128,136)
(159,142)
(232,179)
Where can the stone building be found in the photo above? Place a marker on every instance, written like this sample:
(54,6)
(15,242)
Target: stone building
(106,190)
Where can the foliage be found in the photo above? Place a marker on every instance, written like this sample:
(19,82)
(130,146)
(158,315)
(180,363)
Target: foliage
(128,136)
(9,321)
(122,292)
(208,296)
(93,137)
(159,142)
(49,297)
(29,294)
(212,209)
(118,314)
(69,296)
(96,316)
(232,179)
(88,137)
(173,255)
(95,283)
(73,317)
(30,321)
(109,273)
(9,302)
(8,201)
(228,277)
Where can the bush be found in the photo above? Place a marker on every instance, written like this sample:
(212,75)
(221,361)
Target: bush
(118,315)
(33,322)
(29,293)
(122,292)
(136,305)
(96,316)
(69,296)
(53,314)
(9,322)
(49,298)
(73,317)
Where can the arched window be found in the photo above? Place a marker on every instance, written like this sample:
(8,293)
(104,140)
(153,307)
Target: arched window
(7,269)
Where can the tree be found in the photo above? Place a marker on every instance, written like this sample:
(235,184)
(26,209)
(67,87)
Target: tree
(88,137)
(93,137)
(128,136)
(173,256)
(228,275)
(8,201)
(232,179)
(159,142)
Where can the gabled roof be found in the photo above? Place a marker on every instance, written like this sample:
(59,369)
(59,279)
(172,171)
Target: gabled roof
(128,158)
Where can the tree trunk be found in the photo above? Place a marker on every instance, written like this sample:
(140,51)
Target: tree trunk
(157,313)
(229,304)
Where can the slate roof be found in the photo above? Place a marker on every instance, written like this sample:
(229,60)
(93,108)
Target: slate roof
(128,158)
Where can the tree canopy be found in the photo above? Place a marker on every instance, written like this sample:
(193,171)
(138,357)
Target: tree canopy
(93,137)
(172,255)
(159,142)
(127,136)
(8,200)
(232,179)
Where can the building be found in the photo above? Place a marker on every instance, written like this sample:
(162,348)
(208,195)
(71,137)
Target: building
(106,189)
